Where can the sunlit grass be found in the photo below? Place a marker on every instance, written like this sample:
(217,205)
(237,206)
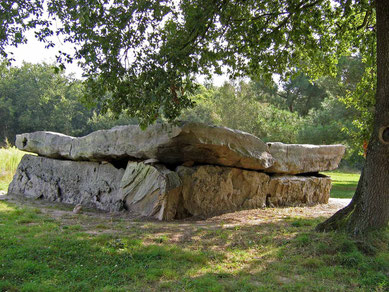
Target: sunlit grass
(9,160)
(343,184)
(83,253)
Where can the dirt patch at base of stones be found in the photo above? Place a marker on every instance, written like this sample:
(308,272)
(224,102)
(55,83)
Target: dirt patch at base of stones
(88,219)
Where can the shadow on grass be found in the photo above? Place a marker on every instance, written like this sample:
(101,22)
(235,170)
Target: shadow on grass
(39,253)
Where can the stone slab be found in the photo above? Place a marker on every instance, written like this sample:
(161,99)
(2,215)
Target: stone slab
(151,190)
(91,184)
(169,144)
(212,190)
(154,191)
(304,158)
(289,190)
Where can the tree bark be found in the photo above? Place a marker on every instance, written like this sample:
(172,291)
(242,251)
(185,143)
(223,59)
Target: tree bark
(369,208)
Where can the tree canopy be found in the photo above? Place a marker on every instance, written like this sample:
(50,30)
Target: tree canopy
(33,98)
(148,53)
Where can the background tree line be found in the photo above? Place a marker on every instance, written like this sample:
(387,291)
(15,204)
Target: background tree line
(35,97)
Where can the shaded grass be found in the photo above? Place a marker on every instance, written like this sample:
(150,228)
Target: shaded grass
(39,253)
(343,184)
(9,160)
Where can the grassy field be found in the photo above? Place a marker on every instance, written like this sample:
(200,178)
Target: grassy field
(9,160)
(343,184)
(53,249)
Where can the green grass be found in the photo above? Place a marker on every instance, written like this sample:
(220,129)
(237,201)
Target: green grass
(343,184)
(39,253)
(9,160)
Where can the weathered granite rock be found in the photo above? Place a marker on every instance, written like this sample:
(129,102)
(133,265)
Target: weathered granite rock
(304,158)
(288,190)
(210,190)
(88,183)
(152,191)
(48,144)
(168,144)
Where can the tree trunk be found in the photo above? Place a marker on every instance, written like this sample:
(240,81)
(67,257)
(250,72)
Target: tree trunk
(369,208)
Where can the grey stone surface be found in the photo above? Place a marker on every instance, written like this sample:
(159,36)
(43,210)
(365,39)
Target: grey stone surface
(48,144)
(151,190)
(88,183)
(168,144)
(289,190)
(304,158)
(157,192)
(210,190)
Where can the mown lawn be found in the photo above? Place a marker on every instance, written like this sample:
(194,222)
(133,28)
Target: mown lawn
(84,252)
(343,184)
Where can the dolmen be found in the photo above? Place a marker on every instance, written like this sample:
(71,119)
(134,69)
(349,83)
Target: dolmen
(172,171)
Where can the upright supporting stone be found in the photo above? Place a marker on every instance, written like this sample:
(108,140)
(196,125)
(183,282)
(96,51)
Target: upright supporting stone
(88,183)
(289,190)
(152,191)
(209,190)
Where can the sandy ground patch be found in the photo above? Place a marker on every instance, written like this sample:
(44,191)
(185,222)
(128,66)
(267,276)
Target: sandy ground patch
(65,213)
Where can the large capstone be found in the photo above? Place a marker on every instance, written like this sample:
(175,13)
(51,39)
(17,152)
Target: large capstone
(151,190)
(88,183)
(171,145)
(304,158)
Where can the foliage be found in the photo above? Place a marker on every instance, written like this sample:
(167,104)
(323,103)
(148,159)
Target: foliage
(108,120)
(241,108)
(331,124)
(362,100)
(355,87)
(53,103)
(102,253)
(140,59)
(33,98)
(36,98)
(259,109)
(16,17)
(147,53)
(302,94)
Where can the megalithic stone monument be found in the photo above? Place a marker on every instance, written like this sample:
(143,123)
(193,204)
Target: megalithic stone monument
(172,171)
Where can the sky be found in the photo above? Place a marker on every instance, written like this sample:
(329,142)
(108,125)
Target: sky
(35,52)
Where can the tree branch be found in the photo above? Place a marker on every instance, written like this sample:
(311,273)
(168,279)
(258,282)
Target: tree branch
(365,20)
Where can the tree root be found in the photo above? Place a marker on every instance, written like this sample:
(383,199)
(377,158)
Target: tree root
(340,219)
